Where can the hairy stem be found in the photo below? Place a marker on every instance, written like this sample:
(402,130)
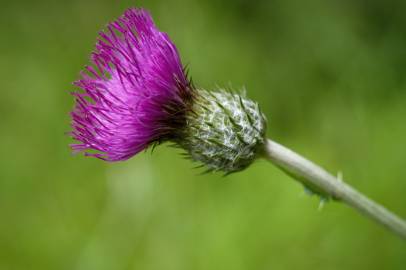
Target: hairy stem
(319,180)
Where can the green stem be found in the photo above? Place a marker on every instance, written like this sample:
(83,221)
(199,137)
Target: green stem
(323,182)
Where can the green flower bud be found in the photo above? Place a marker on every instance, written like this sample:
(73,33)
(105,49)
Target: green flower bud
(224,131)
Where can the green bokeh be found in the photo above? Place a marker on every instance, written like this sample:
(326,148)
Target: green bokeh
(330,76)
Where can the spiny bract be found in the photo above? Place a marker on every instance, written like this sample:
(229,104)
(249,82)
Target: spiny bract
(225,131)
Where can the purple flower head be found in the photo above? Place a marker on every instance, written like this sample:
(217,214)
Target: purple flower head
(134,94)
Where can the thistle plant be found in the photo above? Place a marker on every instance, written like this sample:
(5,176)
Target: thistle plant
(136,94)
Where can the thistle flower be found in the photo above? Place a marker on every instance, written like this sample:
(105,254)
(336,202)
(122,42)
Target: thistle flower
(137,93)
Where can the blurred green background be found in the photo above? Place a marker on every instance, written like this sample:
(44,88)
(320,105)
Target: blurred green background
(330,76)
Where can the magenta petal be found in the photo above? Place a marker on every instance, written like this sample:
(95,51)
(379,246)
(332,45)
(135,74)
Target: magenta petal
(132,91)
